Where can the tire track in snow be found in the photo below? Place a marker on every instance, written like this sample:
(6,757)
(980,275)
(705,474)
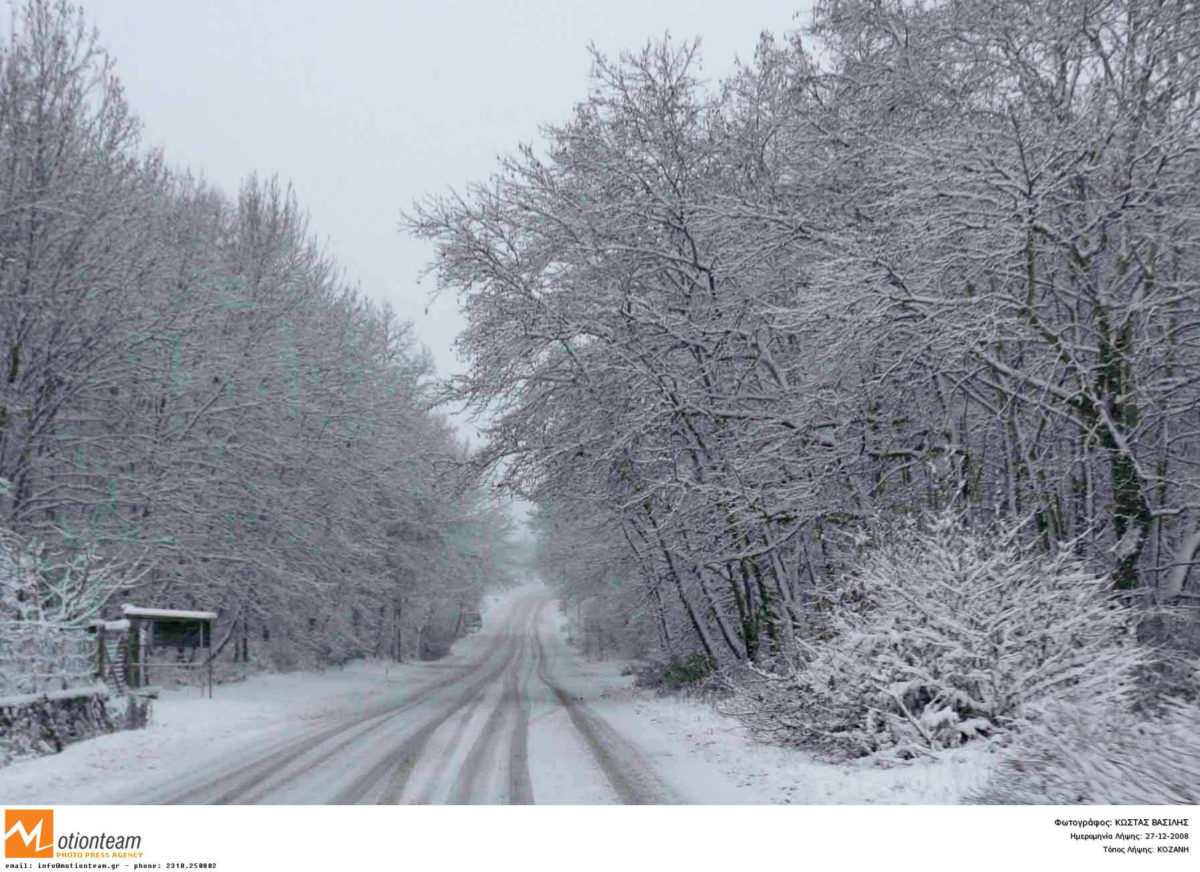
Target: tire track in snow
(628,772)
(466,714)
(487,741)
(520,786)
(402,761)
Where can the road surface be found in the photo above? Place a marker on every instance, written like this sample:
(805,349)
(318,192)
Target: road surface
(472,735)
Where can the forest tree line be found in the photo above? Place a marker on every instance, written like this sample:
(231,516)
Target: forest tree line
(931,259)
(197,409)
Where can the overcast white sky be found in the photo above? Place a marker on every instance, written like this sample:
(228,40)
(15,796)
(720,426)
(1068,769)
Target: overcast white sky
(366,106)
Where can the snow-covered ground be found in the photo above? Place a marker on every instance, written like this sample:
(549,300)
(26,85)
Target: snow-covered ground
(694,754)
(713,760)
(188,730)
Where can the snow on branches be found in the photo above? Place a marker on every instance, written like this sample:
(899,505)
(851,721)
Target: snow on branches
(941,634)
(865,275)
(46,600)
(1089,753)
(188,380)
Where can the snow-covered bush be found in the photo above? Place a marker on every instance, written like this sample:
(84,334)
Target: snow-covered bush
(46,600)
(693,674)
(941,634)
(1091,754)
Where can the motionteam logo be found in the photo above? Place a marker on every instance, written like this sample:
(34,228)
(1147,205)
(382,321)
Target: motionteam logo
(29,834)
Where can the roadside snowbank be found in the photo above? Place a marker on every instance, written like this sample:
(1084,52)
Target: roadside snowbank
(713,760)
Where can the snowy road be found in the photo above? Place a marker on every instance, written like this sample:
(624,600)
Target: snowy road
(512,715)
(472,736)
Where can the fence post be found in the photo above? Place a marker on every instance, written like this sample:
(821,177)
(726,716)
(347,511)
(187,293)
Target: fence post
(133,658)
(101,653)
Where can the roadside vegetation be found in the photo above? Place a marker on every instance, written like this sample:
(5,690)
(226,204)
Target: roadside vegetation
(198,410)
(869,373)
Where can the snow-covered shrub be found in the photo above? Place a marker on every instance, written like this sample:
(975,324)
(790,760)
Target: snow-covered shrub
(46,600)
(1092,754)
(1172,674)
(941,634)
(692,672)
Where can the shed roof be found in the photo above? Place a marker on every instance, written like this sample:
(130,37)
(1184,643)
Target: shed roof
(167,614)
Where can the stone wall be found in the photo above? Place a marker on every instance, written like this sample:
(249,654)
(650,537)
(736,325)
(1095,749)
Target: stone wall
(36,724)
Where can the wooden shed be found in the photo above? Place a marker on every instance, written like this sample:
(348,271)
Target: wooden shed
(141,631)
